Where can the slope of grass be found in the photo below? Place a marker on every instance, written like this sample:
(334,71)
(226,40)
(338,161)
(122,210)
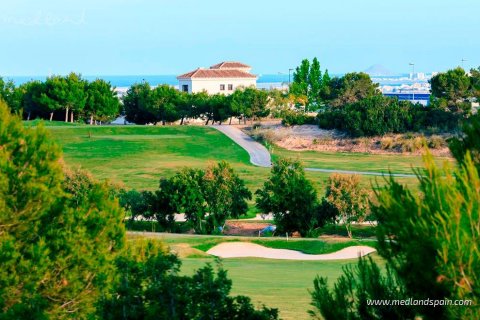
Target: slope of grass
(139,155)
(357,161)
(281,284)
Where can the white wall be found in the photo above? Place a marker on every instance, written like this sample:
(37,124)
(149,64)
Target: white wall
(187,82)
(212,86)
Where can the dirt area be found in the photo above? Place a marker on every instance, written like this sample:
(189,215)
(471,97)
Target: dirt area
(311,137)
(239,228)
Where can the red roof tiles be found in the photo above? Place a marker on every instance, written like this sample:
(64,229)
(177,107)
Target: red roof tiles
(215,73)
(229,65)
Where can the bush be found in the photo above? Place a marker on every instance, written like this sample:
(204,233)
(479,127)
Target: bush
(380,115)
(436,142)
(149,287)
(387,143)
(291,118)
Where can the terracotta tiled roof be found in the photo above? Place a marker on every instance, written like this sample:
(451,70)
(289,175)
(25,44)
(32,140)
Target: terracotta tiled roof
(215,73)
(229,65)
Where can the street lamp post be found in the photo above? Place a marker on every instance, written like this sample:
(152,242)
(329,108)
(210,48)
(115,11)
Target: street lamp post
(289,70)
(413,77)
(463,60)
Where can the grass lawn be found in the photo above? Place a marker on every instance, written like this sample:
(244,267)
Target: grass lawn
(357,161)
(139,155)
(282,284)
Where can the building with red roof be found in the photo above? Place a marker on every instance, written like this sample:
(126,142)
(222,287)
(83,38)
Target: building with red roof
(224,77)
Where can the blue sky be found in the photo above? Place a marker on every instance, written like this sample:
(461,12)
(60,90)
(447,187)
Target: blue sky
(119,37)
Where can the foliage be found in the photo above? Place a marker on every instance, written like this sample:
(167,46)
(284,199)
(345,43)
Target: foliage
(293,118)
(9,94)
(56,244)
(429,240)
(309,84)
(291,197)
(378,115)
(102,102)
(64,93)
(136,203)
(225,194)
(468,141)
(207,198)
(349,199)
(351,88)
(451,89)
(433,233)
(348,298)
(149,287)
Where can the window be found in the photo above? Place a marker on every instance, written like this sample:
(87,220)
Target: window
(185,87)
(230,87)
(222,87)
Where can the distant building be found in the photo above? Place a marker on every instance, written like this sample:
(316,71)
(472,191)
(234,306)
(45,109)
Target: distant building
(223,77)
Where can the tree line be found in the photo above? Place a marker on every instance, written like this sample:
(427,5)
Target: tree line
(354,104)
(69,98)
(208,198)
(144,104)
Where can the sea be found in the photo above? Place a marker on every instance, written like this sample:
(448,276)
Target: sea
(125,81)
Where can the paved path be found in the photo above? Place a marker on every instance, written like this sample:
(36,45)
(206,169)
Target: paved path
(260,156)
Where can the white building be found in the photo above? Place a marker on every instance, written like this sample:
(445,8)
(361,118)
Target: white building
(223,77)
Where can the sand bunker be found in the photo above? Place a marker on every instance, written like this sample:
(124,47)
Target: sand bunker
(246,249)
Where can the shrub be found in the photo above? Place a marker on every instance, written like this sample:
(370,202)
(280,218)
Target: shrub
(387,143)
(291,118)
(436,142)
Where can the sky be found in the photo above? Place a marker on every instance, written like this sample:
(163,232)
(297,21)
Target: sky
(148,37)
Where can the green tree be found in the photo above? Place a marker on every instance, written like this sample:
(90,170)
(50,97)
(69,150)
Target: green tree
(300,83)
(137,104)
(450,90)
(309,86)
(183,193)
(351,88)
(102,102)
(217,191)
(350,200)
(290,196)
(30,102)
(149,287)
(347,300)
(225,194)
(315,82)
(430,242)
(163,102)
(475,83)
(9,94)
(55,245)
(468,141)
(67,93)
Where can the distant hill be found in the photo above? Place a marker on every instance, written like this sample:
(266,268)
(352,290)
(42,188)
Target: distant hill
(378,71)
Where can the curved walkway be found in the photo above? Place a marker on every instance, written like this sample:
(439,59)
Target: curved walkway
(246,249)
(260,156)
